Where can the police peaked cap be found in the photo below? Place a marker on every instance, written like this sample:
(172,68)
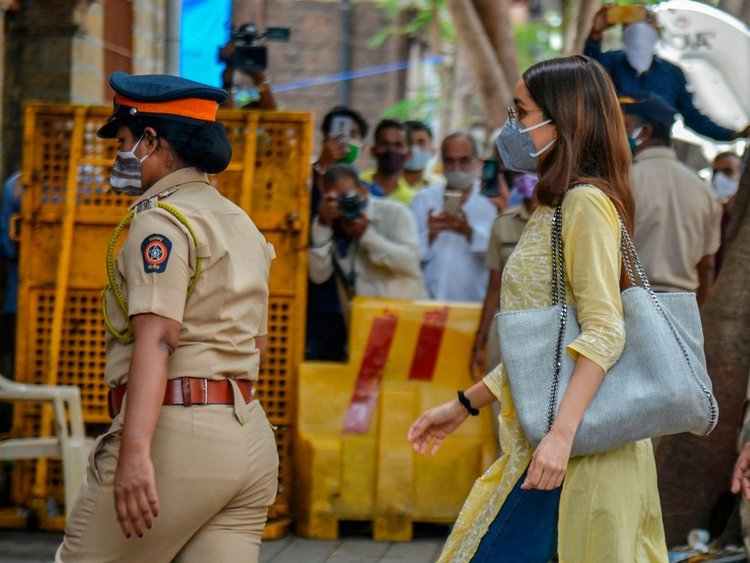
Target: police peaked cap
(163,96)
(649,106)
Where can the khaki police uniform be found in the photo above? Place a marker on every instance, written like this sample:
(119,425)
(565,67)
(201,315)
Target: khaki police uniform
(216,465)
(677,219)
(505,234)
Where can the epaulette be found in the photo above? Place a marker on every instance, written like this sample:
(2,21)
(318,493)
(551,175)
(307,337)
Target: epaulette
(151,202)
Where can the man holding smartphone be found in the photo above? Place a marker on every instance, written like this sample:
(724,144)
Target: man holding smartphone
(453,225)
(637,68)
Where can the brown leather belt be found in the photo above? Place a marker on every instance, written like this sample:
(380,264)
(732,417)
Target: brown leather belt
(189,391)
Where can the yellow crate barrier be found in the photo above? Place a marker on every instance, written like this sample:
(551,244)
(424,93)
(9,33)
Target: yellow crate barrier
(375,475)
(67,217)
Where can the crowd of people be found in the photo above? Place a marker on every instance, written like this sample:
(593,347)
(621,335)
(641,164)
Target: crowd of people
(420,225)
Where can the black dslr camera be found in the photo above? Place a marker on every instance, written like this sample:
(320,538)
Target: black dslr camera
(350,205)
(248,55)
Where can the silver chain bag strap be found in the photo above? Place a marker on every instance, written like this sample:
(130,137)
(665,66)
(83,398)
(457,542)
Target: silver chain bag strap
(658,386)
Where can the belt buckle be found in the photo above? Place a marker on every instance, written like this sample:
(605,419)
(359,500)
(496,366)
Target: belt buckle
(204,391)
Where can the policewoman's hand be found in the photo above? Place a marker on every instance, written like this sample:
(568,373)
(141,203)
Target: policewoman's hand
(136,500)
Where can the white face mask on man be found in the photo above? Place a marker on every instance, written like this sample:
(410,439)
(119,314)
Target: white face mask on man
(639,43)
(460,179)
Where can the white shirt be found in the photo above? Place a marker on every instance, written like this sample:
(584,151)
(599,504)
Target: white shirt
(453,267)
(383,263)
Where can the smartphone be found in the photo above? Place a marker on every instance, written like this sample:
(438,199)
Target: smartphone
(452,202)
(626,13)
(341,128)
(490,170)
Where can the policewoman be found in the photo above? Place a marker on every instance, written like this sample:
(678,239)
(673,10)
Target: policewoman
(189,466)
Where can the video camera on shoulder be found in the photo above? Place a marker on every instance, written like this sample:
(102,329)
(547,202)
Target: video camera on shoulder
(350,205)
(248,55)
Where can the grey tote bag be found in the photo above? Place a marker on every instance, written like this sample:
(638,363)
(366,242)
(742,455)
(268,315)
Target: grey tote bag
(658,386)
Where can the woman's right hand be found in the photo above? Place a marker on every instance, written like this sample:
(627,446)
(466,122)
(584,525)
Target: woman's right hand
(136,499)
(430,429)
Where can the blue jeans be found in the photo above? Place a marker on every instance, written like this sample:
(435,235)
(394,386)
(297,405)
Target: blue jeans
(525,529)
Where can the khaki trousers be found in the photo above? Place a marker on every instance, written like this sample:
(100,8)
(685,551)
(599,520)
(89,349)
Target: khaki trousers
(216,475)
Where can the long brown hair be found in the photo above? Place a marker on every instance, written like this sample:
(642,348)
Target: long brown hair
(591,148)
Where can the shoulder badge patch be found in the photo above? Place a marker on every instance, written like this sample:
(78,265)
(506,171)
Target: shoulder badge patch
(155,250)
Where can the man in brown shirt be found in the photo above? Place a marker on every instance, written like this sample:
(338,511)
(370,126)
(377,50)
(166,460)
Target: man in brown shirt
(677,216)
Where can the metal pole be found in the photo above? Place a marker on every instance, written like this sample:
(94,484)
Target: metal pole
(346,55)
(172,44)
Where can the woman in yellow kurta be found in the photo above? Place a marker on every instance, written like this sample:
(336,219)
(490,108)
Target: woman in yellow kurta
(566,124)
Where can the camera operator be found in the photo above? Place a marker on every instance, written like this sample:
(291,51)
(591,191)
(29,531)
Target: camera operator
(259,78)
(368,244)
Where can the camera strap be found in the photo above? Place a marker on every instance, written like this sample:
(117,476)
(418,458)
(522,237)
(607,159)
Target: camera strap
(347,280)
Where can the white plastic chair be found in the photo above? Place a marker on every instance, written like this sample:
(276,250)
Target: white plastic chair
(70,442)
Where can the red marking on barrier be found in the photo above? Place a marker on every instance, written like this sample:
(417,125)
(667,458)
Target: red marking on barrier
(425,356)
(367,389)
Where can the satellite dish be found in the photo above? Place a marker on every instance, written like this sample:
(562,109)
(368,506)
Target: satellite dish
(713,49)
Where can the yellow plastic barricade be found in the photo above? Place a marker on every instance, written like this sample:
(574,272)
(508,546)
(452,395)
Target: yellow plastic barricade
(352,460)
(67,217)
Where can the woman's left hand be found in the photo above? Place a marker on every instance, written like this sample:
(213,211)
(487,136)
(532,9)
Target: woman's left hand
(549,462)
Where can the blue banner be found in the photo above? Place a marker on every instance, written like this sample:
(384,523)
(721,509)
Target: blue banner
(205,28)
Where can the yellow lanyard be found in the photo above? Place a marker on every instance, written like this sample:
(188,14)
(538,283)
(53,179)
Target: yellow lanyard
(126,335)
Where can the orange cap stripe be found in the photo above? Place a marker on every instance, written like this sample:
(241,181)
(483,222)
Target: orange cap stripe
(195,108)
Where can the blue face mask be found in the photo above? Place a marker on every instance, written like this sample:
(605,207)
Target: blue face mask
(516,147)
(418,161)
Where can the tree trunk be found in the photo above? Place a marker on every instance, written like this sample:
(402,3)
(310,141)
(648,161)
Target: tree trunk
(569,29)
(495,17)
(577,18)
(492,88)
(586,11)
(694,472)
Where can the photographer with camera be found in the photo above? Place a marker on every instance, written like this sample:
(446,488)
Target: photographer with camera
(245,59)
(637,68)
(344,131)
(368,244)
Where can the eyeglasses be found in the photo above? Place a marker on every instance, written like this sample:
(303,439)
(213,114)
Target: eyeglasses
(512,112)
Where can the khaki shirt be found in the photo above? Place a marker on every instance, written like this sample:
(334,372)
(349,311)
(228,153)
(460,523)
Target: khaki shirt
(228,308)
(677,219)
(505,234)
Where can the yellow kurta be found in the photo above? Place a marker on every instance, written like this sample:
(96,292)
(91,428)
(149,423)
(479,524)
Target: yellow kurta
(609,507)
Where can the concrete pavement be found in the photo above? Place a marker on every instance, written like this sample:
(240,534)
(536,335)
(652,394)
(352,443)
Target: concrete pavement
(39,547)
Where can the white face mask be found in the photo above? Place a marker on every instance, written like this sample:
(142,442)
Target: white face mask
(725,187)
(460,179)
(634,135)
(639,43)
